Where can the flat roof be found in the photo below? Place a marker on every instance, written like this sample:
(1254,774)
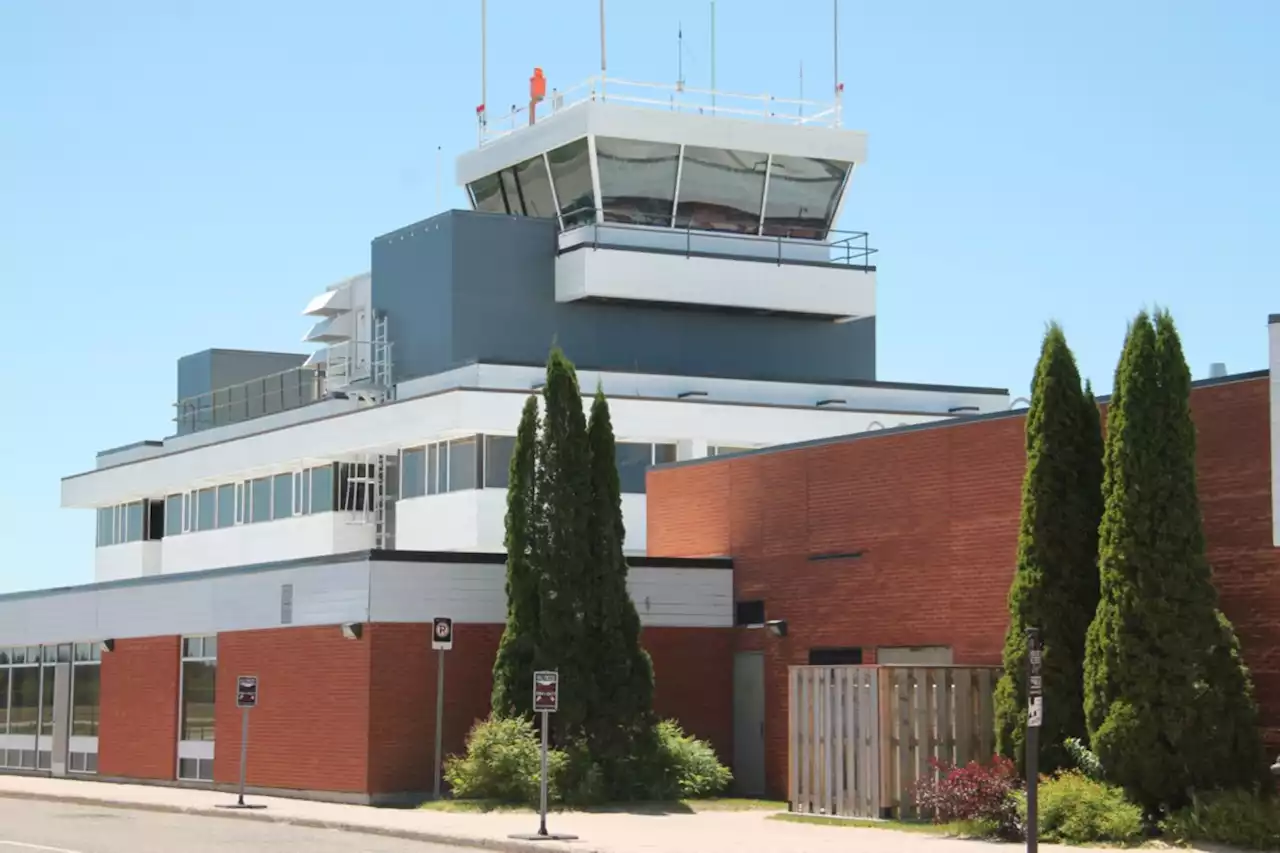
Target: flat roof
(486,558)
(945,423)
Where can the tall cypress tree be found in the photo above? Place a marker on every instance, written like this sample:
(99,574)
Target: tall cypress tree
(561,551)
(623,669)
(517,653)
(1229,753)
(1055,584)
(1152,702)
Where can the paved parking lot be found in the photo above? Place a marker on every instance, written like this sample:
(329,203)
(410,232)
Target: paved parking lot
(43,827)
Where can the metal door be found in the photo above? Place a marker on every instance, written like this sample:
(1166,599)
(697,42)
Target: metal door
(748,723)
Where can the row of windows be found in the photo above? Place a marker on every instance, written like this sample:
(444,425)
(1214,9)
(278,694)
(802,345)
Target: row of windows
(458,464)
(27,693)
(719,189)
(251,501)
(480,461)
(312,490)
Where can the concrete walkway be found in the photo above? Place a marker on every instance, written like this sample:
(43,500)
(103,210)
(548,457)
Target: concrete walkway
(700,832)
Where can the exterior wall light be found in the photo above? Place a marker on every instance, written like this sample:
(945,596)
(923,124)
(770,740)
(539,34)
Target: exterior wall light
(777,627)
(352,630)
(1275,768)
(108,645)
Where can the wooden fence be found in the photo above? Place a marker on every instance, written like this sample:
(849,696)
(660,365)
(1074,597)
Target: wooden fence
(860,736)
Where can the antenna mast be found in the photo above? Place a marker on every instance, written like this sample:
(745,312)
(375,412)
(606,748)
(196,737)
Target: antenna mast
(680,58)
(713,57)
(484,80)
(602,55)
(835,54)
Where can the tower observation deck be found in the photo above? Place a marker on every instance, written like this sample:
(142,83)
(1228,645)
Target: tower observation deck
(665,194)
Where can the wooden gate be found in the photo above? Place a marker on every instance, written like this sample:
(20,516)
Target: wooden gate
(860,736)
(834,741)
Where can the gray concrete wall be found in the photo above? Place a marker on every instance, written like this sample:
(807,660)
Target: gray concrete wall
(501,308)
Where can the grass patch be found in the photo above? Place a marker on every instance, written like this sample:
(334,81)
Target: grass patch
(952,830)
(724,804)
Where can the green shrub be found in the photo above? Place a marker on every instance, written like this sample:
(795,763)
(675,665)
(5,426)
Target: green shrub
(1085,759)
(1237,818)
(1074,809)
(503,762)
(690,764)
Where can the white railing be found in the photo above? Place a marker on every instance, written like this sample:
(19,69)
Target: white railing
(664,96)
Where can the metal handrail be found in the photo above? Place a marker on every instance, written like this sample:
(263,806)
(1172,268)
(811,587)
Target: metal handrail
(678,98)
(850,248)
(206,410)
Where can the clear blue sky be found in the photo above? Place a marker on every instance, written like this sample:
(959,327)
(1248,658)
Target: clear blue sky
(176,175)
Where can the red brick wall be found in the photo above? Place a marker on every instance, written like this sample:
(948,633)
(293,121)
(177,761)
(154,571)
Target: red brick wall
(310,730)
(693,668)
(403,699)
(934,514)
(693,681)
(138,727)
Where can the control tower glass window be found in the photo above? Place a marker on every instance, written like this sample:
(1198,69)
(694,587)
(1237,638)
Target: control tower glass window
(571,171)
(535,188)
(721,190)
(637,180)
(487,192)
(802,197)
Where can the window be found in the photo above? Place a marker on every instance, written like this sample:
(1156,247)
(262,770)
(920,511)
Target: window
(413,472)
(497,460)
(748,613)
(122,523)
(802,196)
(260,500)
(634,459)
(46,698)
(85,698)
(487,194)
(725,450)
(322,489)
(534,185)
(462,464)
(4,706)
(226,505)
(133,522)
(434,474)
(24,700)
(105,534)
(835,657)
(721,190)
(282,496)
(571,172)
(637,180)
(206,509)
(199,677)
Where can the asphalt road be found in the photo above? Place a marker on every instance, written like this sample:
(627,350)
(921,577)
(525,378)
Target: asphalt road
(28,826)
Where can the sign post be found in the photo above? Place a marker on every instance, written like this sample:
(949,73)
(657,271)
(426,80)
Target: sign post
(441,642)
(1035,719)
(546,701)
(246,700)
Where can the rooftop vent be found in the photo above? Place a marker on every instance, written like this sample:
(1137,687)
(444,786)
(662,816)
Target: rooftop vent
(1217,370)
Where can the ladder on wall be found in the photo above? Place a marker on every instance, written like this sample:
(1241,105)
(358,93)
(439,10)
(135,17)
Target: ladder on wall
(366,496)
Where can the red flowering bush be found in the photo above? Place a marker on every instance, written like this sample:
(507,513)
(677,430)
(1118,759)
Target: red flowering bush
(985,794)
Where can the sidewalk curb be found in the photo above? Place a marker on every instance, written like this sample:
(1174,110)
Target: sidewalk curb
(265,816)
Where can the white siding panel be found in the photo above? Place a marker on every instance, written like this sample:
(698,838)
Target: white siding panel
(66,618)
(418,592)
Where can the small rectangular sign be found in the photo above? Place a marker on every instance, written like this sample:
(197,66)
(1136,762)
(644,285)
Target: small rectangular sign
(247,691)
(1035,713)
(1035,685)
(441,634)
(546,691)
